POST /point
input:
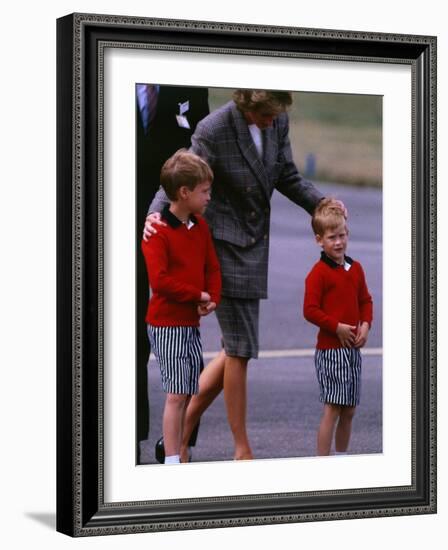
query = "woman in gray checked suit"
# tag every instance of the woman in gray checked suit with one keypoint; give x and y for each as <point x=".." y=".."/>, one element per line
<point x="247" y="146"/>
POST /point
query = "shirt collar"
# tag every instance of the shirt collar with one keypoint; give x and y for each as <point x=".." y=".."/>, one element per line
<point x="324" y="258"/>
<point x="174" y="221"/>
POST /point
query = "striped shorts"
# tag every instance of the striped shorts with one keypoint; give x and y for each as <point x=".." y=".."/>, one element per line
<point x="178" y="351"/>
<point x="339" y="375"/>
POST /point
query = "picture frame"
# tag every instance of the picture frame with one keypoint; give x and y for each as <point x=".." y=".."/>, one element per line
<point x="81" y="506"/>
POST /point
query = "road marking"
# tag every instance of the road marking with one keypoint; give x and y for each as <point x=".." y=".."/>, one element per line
<point x="283" y="353"/>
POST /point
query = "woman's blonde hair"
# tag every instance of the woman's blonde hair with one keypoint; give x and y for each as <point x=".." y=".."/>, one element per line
<point x="266" y="101"/>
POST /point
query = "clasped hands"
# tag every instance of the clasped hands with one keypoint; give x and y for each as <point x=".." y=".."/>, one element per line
<point x="205" y="306"/>
<point x="350" y="339"/>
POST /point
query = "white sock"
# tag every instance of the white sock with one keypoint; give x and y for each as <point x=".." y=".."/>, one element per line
<point x="173" y="459"/>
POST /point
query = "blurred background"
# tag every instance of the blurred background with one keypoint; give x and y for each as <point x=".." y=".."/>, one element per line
<point x="335" y="137"/>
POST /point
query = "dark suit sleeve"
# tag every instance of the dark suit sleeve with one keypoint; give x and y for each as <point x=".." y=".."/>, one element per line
<point x="290" y="182"/>
<point x="175" y="137"/>
<point x="201" y="144"/>
<point x="199" y="106"/>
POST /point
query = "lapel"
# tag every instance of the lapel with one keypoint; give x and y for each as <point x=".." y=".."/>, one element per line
<point x="248" y="149"/>
<point x="270" y="145"/>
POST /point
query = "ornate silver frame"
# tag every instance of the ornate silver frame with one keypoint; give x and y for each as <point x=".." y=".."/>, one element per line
<point x="81" y="510"/>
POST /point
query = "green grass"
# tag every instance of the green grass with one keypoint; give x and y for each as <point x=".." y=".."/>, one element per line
<point x="342" y="131"/>
<point x="355" y="111"/>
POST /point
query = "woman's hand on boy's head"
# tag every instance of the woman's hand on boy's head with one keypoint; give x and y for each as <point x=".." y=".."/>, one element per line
<point x="342" y="206"/>
<point x="155" y="218"/>
<point x="346" y="335"/>
<point x="361" y="335"/>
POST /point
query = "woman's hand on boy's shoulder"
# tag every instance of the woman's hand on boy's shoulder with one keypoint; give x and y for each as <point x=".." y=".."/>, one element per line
<point x="155" y="218"/>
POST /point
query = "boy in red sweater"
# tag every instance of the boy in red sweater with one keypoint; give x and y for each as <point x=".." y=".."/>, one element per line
<point x="338" y="302"/>
<point x="185" y="279"/>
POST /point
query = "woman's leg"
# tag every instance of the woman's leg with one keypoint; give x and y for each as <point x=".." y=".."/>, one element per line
<point x="235" y="396"/>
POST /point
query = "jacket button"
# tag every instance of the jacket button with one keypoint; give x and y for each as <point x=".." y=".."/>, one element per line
<point x="253" y="240"/>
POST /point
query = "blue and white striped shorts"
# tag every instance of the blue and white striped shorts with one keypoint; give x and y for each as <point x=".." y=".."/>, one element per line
<point x="178" y="351"/>
<point x="339" y="375"/>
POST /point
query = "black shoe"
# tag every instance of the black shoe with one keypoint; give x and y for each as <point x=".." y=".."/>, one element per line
<point x="160" y="451"/>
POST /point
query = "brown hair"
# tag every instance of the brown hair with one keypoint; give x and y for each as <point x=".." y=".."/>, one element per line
<point x="184" y="168"/>
<point x="269" y="102"/>
<point x="327" y="215"/>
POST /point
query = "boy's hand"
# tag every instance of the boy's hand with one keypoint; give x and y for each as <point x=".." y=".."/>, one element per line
<point x="361" y="335"/>
<point x="346" y="335"/>
<point x="205" y="297"/>
<point x="155" y="218"/>
<point x="205" y="309"/>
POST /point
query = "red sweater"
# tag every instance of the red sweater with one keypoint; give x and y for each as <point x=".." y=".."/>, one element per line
<point x="181" y="263"/>
<point x="334" y="295"/>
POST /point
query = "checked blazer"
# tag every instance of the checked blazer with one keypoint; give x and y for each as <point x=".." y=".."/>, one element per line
<point x="239" y="211"/>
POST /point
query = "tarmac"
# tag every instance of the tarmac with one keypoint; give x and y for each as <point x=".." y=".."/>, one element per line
<point x="283" y="413"/>
<point x="283" y="399"/>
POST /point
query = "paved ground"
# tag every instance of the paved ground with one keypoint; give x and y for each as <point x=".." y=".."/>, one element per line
<point x="283" y="413"/>
<point x="284" y="408"/>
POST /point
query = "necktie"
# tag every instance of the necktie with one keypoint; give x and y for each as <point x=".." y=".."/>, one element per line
<point x="147" y="98"/>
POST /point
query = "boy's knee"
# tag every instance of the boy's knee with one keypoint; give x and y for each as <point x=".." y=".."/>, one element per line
<point x="332" y="411"/>
<point x="176" y="399"/>
<point x="347" y="413"/>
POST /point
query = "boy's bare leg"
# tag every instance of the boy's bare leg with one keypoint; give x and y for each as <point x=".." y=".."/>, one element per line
<point x="235" y="396"/>
<point x="344" y="429"/>
<point x="326" y="428"/>
<point x="172" y="422"/>
<point x="210" y="386"/>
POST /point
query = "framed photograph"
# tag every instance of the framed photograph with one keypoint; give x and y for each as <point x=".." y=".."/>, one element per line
<point x="362" y="126"/>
